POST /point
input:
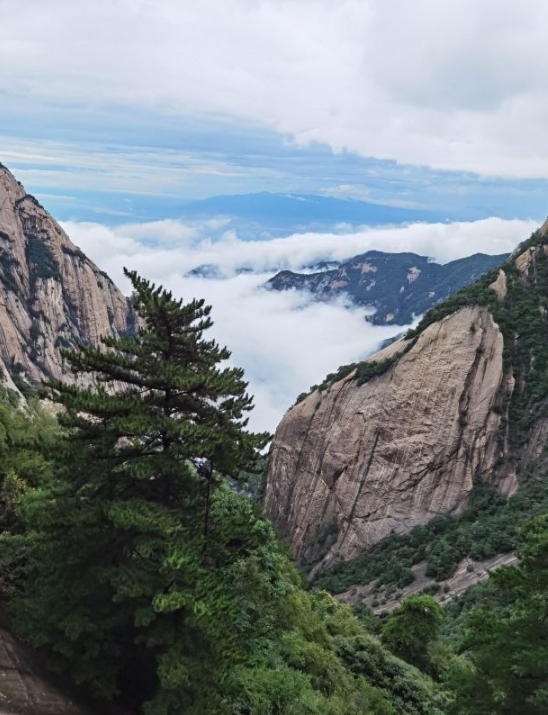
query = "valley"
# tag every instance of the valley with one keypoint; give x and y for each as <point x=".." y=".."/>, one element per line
<point x="401" y="481"/>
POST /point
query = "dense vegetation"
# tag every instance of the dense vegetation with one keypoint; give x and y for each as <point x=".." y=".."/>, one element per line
<point x="173" y="594"/>
<point x="133" y="564"/>
<point x="505" y="640"/>
<point x="489" y="526"/>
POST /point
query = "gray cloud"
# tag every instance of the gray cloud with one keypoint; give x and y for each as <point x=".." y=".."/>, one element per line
<point x="454" y="85"/>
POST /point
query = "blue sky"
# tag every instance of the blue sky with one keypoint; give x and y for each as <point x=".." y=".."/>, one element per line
<point x="115" y="167"/>
<point x="120" y="115"/>
<point x="127" y="109"/>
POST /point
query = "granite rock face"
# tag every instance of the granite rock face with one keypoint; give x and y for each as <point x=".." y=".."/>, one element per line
<point x="25" y="688"/>
<point x="51" y="294"/>
<point x="356" y="463"/>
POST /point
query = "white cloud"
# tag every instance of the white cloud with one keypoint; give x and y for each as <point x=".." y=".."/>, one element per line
<point x="175" y="246"/>
<point x="284" y="341"/>
<point x="459" y="84"/>
<point x="108" y="167"/>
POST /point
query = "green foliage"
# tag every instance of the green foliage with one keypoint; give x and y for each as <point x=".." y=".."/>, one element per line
<point x="331" y="379"/>
<point x="365" y="371"/>
<point x="508" y="646"/>
<point x="412" y="628"/>
<point x="133" y="511"/>
<point x="27" y="441"/>
<point x="334" y="377"/>
<point x="489" y="526"/>
<point x="148" y="574"/>
<point x="255" y="482"/>
<point x="407" y="693"/>
<point x="483" y="595"/>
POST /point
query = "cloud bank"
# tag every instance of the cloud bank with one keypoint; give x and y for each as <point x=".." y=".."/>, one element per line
<point x="284" y="341"/>
<point x="458" y="85"/>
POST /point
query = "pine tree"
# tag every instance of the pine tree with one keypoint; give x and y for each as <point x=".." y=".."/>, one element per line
<point x="123" y="581"/>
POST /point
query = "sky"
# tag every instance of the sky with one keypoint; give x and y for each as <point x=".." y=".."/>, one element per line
<point x="121" y="116"/>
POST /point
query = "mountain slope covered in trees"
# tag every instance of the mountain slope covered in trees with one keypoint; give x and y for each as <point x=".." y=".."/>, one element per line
<point x="173" y="593"/>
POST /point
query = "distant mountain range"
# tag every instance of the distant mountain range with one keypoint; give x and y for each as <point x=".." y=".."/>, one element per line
<point x="398" y="286"/>
<point x="253" y="216"/>
<point x="263" y="214"/>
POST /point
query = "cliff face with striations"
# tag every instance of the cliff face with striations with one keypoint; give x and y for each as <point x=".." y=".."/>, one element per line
<point x="462" y="401"/>
<point x="51" y="294"/>
<point x="26" y="688"/>
<point x="357" y="463"/>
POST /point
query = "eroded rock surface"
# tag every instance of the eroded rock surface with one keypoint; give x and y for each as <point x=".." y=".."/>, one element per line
<point x="357" y="463"/>
<point x="25" y="689"/>
<point x="51" y="294"/>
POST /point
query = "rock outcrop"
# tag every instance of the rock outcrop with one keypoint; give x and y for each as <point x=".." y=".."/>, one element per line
<point x="398" y="286"/>
<point x="25" y="687"/>
<point x="356" y="463"/>
<point x="405" y="435"/>
<point x="51" y="294"/>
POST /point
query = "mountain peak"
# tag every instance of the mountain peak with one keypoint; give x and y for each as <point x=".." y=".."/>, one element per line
<point x="51" y="295"/>
<point x="398" y="286"/>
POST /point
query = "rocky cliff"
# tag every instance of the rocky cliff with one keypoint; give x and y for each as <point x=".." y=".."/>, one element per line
<point x="51" y="294"/>
<point x="26" y="688"/>
<point x="406" y="435"/>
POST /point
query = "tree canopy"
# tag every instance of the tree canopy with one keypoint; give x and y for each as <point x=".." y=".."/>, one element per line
<point x="147" y="577"/>
<point x="508" y="645"/>
<point x="144" y="563"/>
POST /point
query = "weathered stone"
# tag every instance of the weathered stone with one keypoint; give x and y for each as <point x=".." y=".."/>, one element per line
<point x="500" y="286"/>
<point x="357" y="463"/>
<point x="25" y="688"/>
<point x="51" y="294"/>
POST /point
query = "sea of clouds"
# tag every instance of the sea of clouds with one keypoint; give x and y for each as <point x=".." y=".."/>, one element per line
<point x="285" y="341"/>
